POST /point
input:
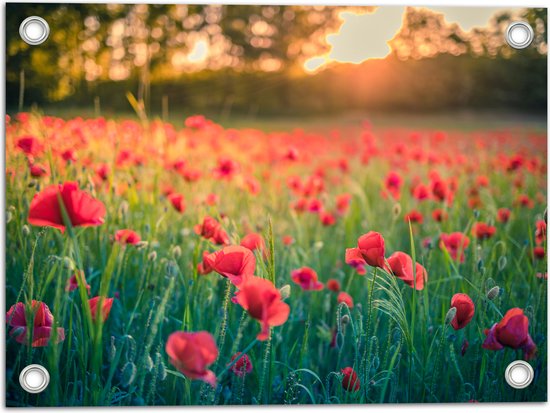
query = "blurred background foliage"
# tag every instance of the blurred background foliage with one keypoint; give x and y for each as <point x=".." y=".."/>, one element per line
<point x="227" y="60"/>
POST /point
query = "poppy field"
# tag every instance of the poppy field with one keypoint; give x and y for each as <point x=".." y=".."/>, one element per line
<point x="186" y="263"/>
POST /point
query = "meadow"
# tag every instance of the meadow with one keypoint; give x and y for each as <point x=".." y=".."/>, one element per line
<point x="190" y="263"/>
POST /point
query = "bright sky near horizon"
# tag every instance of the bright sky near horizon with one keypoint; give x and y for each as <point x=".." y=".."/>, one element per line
<point x="366" y="36"/>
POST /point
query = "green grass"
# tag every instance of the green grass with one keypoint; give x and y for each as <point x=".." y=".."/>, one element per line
<point x="395" y="337"/>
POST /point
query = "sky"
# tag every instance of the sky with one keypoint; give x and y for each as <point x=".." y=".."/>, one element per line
<point x="365" y="36"/>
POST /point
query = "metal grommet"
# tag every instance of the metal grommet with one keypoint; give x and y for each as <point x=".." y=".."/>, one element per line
<point x="34" y="378"/>
<point x="34" y="30"/>
<point x="519" y="35"/>
<point x="519" y="374"/>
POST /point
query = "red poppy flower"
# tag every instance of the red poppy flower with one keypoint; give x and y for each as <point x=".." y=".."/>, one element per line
<point x="512" y="331"/>
<point x="69" y="155"/>
<point x="254" y="242"/>
<point x="524" y="201"/>
<point x="107" y="303"/>
<point x="72" y="283"/>
<point x="464" y="310"/>
<point x="370" y="248"/>
<point x="82" y="209"/>
<point x="287" y="240"/>
<point x="127" y="236"/>
<point x="243" y="366"/>
<point x="196" y="122"/>
<point x="439" y="189"/>
<point x="252" y="185"/>
<point x="315" y="205"/>
<point x="42" y="327"/>
<point x="208" y="227"/>
<point x="306" y="278"/>
<point x="103" y="171"/>
<point x="421" y="192"/>
<point x="439" y="215"/>
<point x="292" y="154"/>
<point x="539" y="253"/>
<point x="191" y="175"/>
<point x="401" y="265"/>
<point x="333" y="285"/>
<point x="38" y="170"/>
<point x="226" y="169"/>
<point x="294" y="183"/>
<point x="345" y="298"/>
<point x="392" y="185"/>
<point x="177" y="201"/>
<point x="540" y="233"/>
<point x="234" y="262"/>
<point x="192" y="353"/>
<point x="503" y="215"/>
<point x="211" y="230"/>
<point x="300" y="205"/>
<point x="350" y="381"/>
<point x="455" y="243"/>
<point x="342" y="203"/>
<point x="355" y="259"/>
<point x="482" y="180"/>
<point x="515" y="162"/>
<point x="212" y="199"/>
<point x="414" y="217"/>
<point x="29" y="145"/>
<point x="203" y="268"/>
<point x="481" y="230"/>
<point x="220" y="237"/>
<point x="327" y="219"/>
<point x="263" y="302"/>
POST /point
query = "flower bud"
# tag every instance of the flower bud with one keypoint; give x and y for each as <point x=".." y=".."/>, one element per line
<point x="450" y="315"/>
<point x="112" y="350"/>
<point x="285" y="291"/>
<point x="141" y="245"/>
<point x="123" y="208"/>
<point x="502" y="261"/>
<point x="161" y="367"/>
<point x="128" y="374"/>
<point x="69" y="264"/>
<point x="149" y="363"/>
<point x="493" y="292"/>
<point x="25" y="230"/>
<point x="176" y="251"/>
<point x="396" y="210"/>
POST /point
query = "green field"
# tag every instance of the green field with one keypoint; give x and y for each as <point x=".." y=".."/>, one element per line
<point x="292" y="188"/>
